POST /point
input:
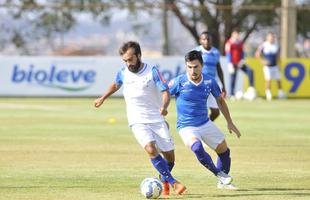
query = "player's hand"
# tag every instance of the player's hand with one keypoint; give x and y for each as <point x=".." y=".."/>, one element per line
<point x="98" y="102"/>
<point x="163" y="111"/>
<point x="232" y="128"/>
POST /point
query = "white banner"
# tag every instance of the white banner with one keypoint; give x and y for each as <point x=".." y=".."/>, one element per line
<point x="73" y="76"/>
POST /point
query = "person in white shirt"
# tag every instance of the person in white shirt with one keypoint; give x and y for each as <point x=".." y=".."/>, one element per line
<point x="269" y="52"/>
<point x="147" y="97"/>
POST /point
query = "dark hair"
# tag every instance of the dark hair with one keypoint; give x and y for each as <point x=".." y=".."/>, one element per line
<point x="193" y="55"/>
<point x="205" y="33"/>
<point x="128" y="45"/>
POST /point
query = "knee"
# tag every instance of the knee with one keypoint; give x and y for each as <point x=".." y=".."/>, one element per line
<point x="197" y="147"/>
<point x="151" y="150"/>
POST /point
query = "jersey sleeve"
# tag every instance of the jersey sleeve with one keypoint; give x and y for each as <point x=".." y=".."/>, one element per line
<point x="215" y="89"/>
<point x="120" y="77"/>
<point x="174" y="86"/>
<point x="159" y="80"/>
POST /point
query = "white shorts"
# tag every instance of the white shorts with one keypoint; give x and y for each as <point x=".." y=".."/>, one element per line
<point x="272" y="73"/>
<point x="208" y="133"/>
<point x="157" y="132"/>
<point x="211" y="102"/>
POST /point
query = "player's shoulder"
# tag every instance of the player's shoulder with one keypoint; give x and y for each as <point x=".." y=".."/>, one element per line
<point x="198" y="48"/>
<point x="215" y="50"/>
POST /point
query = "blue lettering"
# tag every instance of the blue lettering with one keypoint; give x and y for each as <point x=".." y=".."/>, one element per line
<point x="62" y="76"/>
<point x="76" y="76"/>
<point x="89" y="76"/>
<point x="53" y="68"/>
<point x="40" y="76"/>
<point x="18" y="75"/>
<point x="296" y="80"/>
<point x="30" y="73"/>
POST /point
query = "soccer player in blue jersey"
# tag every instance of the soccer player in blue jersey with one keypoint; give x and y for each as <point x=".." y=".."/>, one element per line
<point x="212" y="68"/>
<point x="191" y="91"/>
<point x="269" y="52"/>
<point x="143" y="86"/>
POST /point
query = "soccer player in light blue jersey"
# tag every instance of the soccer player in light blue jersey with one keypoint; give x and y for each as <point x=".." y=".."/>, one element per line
<point x="143" y="86"/>
<point x="191" y="91"/>
<point x="211" y="67"/>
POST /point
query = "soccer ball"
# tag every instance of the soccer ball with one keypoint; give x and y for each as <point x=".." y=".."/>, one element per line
<point x="151" y="188"/>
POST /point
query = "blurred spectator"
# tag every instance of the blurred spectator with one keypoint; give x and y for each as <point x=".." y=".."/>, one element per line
<point x="269" y="52"/>
<point x="235" y="57"/>
<point x="304" y="50"/>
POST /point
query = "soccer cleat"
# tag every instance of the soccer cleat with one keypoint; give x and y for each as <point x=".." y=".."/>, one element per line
<point x="224" y="178"/>
<point x="227" y="187"/>
<point x="268" y="95"/>
<point x="281" y="94"/>
<point x="179" y="188"/>
<point x="166" y="188"/>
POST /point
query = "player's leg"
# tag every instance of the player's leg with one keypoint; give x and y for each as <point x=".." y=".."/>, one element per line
<point x="233" y="77"/>
<point x="267" y="76"/>
<point x="193" y="142"/>
<point x="165" y="144"/>
<point x="249" y="72"/>
<point x="211" y="103"/>
<point x="215" y="139"/>
<point x="145" y="137"/>
<point x="276" y="75"/>
<point x="223" y="159"/>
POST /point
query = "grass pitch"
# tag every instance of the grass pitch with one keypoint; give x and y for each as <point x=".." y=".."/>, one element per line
<point x="66" y="149"/>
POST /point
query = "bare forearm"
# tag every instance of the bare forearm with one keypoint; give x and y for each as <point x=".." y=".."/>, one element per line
<point x="165" y="99"/>
<point x="111" y="90"/>
<point x="224" y="109"/>
<point x="221" y="75"/>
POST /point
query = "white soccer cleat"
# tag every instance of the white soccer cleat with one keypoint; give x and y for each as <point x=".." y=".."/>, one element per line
<point x="250" y="94"/>
<point x="227" y="187"/>
<point x="268" y="95"/>
<point x="224" y="178"/>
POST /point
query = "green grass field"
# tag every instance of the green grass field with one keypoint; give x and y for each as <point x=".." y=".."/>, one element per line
<point x="66" y="149"/>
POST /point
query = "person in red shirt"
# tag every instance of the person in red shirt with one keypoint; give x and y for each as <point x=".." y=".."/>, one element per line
<point x="235" y="57"/>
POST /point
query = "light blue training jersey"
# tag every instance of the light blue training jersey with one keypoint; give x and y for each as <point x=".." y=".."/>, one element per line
<point x="191" y="99"/>
<point x="210" y="59"/>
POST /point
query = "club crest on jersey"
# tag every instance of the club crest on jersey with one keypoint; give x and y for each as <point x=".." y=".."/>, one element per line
<point x="207" y="82"/>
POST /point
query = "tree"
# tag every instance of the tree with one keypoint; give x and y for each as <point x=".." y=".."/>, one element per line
<point x="221" y="17"/>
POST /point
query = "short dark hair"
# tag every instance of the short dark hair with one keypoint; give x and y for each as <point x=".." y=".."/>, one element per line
<point x="193" y="55"/>
<point x="128" y="45"/>
<point x="205" y="33"/>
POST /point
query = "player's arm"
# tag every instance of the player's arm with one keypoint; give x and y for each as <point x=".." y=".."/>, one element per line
<point x="111" y="90"/>
<point x="225" y="111"/>
<point x="216" y="92"/>
<point x="221" y="77"/>
<point x="165" y="102"/>
<point x="116" y="85"/>
<point x="163" y="87"/>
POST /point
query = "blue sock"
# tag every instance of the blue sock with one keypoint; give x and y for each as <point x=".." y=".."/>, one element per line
<point x="223" y="161"/>
<point x="170" y="167"/>
<point x="203" y="157"/>
<point x="162" y="167"/>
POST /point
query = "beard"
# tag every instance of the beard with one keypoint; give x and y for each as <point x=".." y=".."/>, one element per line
<point x="135" y="68"/>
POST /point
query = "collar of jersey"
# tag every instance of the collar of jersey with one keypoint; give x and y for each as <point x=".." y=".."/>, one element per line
<point x="143" y="69"/>
<point x="205" y="50"/>
<point x="196" y="84"/>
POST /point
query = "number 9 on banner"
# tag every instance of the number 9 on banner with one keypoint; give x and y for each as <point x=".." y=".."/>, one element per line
<point x="296" y="79"/>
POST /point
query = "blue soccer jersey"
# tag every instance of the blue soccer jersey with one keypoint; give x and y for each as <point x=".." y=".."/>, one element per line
<point x="210" y="59"/>
<point x="191" y="99"/>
